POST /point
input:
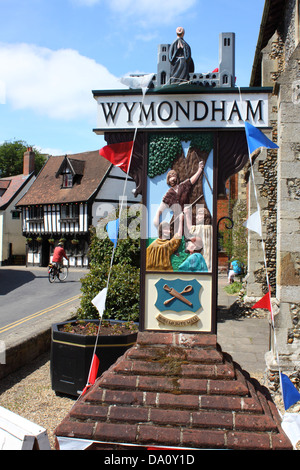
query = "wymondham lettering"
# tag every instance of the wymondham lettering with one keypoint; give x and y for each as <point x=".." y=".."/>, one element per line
<point x="190" y="111"/>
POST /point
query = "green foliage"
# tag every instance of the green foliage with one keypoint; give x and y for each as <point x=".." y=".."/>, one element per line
<point x="165" y="148"/>
<point x="233" y="288"/>
<point x="11" y="158"/>
<point x="235" y="241"/>
<point x="123" y="295"/>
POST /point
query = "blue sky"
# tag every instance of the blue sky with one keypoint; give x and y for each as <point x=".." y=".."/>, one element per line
<point x="54" y="52"/>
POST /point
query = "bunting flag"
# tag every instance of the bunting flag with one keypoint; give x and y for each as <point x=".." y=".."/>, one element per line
<point x="254" y="223"/>
<point x="92" y="374"/>
<point x="142" y="81"/>
<point x="291" y="426"/>
<point x="94" y="370"/>
<point x="118" y="154"/>
<point x="264" y="302"/>
<point x="112" y="229"/>
<point x="289" y="391"/>
<point x="99" y="301"/>
<point x="256" y="139"/>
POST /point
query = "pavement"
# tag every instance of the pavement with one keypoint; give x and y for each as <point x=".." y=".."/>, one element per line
<point x="245" y="339"/>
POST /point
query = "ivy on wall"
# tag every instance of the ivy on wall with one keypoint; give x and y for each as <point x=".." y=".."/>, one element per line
<point x="165" y="148"/>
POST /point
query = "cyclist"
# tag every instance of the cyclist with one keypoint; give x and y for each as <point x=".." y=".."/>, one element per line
<point x="58" y="255"/>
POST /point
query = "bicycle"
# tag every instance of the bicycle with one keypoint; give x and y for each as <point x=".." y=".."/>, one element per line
<point x="60" y="273"/>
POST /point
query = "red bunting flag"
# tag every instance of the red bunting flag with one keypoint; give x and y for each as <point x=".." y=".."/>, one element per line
<point x="118" y="154"/>
<point x="94" y="370"/>
<point x="264" y="302"/>
<point x="93" y="373"/>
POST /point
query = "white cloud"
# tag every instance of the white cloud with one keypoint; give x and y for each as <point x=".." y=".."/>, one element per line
<point x="57" y="84"/>
<point x="152" y="12"/>
<point x="147" y="12"/>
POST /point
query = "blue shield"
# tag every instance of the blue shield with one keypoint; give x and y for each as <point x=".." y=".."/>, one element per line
<point x="189" y="289"/>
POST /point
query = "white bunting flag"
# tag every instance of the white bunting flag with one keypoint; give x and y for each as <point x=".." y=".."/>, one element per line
<point x="99" y="301"/>
<point x="254" y="223"/>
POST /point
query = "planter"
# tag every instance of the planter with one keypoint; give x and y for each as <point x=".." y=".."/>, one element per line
<point x="71" y="356"/>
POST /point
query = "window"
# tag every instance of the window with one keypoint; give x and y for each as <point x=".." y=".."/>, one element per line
<point x="15" y="214"/>
<point x="36" y="212"/>
<point x="69" y="211"/>
<point x="67" y="179"/>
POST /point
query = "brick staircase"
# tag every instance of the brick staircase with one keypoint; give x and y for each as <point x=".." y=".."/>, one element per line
<point x="176" y="390"/>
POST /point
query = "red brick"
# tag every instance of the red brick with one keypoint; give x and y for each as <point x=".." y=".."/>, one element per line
<point x="124" y="365"/>
<point x="115" y="432"/>
<point x="111" y="380"/>
<point x="203" y="438"/>
<point x="159" y="435"/>
<point x="195" y="340"/>
<point x="158" y="384"/>
<point x="251" y="404"/>
<point x="227" y="387"/>
<point x="212" y="419"/>
<point x="149" y="368"/>
<point x="89" y="411"/>
<point x="281" y="442"/>
<point x="75" y="429"/>
<point x="207" y="356"/>
<point x="95" y="394"/>
<point x="253" y="422"/>
<point x="128" y="414"/>
<point x="198" y="370"/>
<point x="150" y="398"/>
<point x="178" y="401"/>
<point x="221" y="403"/>
<point x="248" y="441"/>
<point x="225" y="371"/>
<point x="123" y="397"/>
<point x="149" y="337"/>
<point x="170" y="417"/>
<point x="193" y="385"/>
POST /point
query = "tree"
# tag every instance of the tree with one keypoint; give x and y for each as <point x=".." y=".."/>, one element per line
<point x="11" y="158"/>
<point x="123" y="295"/>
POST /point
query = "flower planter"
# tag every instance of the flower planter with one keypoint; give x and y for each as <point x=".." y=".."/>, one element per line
<point x="71" y="356"/>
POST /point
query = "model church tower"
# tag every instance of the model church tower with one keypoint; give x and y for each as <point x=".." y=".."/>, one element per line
<point x="223" y="76"/>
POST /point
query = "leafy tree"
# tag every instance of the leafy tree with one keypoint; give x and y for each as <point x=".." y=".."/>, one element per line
<point x="11" y="158"/>
<point x="123" y="295"/>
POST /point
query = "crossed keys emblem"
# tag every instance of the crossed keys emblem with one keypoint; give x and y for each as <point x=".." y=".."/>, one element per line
<point x="177" y="295"/>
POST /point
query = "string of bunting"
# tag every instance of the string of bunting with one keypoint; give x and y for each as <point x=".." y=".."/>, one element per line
<point x="290" y="395"/>
<point x="120" y="155"/>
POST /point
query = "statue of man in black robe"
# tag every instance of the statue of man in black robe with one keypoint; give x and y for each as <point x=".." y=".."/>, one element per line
<point x="180" y="58"/>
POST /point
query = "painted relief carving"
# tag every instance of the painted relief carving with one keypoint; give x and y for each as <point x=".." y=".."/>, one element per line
<point x="180" y="203"/>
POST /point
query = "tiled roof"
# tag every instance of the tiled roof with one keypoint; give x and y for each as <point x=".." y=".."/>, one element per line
<point x="12" y="186"/>
<point x="47" y="187"/>
<point x="180" y="391"/>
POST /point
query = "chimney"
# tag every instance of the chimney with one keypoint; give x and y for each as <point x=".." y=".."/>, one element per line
<point x="28" y="161"/>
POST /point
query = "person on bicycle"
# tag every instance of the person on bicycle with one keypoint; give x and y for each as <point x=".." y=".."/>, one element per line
<point x="58" y="255"/>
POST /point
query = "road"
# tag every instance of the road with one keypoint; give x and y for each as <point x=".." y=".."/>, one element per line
<point x="27" y="297"/>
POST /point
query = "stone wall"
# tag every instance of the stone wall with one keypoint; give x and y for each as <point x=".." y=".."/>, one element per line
<point x="278" y="185"/>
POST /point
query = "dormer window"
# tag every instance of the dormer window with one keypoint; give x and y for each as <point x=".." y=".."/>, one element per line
<point x="71" y="171"/>
<point x="67" y="179"/>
